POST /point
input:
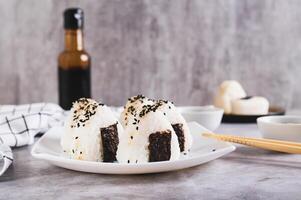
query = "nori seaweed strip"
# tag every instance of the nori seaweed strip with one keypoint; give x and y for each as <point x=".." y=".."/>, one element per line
<point x="178" y="128"/>
<point x="159" y="146"/>
<point x="110" y="141"/>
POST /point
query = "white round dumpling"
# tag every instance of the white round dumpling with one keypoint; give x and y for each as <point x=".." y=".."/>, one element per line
<point x="250" y="106"/>
<point x="228" y="91"/>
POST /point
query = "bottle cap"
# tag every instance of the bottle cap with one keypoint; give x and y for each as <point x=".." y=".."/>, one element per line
<point x="73" y="18"/>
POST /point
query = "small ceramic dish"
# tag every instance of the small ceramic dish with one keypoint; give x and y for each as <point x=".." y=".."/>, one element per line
<point x="280" y="127"/>
<point x="208" y="116"/>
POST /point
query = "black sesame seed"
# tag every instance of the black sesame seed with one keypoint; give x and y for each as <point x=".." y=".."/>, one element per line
<point x="81" y="152"/>
<point x="213" y="149"/>
<point x="132" y="137"/>
<point x="128" y="161"/>
<point x="137" y="128"/>
<point x="73" y="151"/>
<point x="76" y="137"/>
<point x="136" y="161"/>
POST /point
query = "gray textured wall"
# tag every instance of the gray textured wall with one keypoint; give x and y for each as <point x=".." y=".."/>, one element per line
<point x="180" y="49"/>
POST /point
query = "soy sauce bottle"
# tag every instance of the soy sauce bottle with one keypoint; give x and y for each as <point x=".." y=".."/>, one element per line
<point x="74" y="72"/>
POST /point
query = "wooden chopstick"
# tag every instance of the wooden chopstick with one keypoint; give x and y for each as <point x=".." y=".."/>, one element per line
<point x="278" y="141"/>
<point x="275" y="145"/>
<point x="266" y="140"/>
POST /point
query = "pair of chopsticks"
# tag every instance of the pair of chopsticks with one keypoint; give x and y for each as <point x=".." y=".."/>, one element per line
<point x="275" y="145"/>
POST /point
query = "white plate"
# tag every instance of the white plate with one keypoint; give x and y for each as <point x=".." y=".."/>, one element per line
<point x="204" y="150"/>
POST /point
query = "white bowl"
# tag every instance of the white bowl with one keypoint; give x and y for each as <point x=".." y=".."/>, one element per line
<point x="208" y="116"/>
<point x="280" y="127"/>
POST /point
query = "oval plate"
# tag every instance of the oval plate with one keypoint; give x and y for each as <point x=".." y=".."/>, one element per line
<point x="204" y="150"/>
<point x="251" y="118"/>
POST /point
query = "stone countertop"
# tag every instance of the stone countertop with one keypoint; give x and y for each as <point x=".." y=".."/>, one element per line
<point x="247" y="173"/>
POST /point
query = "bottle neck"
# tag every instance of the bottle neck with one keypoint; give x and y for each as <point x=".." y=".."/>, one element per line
<point x="74" y="40"/>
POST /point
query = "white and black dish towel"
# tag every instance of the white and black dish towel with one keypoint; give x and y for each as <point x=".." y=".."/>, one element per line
<point x="20" y="124"/>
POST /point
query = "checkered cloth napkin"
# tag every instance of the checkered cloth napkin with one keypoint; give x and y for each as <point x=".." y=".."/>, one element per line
<point x="20" y="124"/>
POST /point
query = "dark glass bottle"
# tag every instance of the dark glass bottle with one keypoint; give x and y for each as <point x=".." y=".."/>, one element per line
<point x="74" y="62"/>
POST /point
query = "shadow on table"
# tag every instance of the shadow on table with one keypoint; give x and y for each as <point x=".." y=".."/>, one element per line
<point x="264" y="157"/>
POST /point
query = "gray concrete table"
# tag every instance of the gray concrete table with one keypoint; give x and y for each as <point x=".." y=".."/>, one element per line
<point x="246" y="173"/>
